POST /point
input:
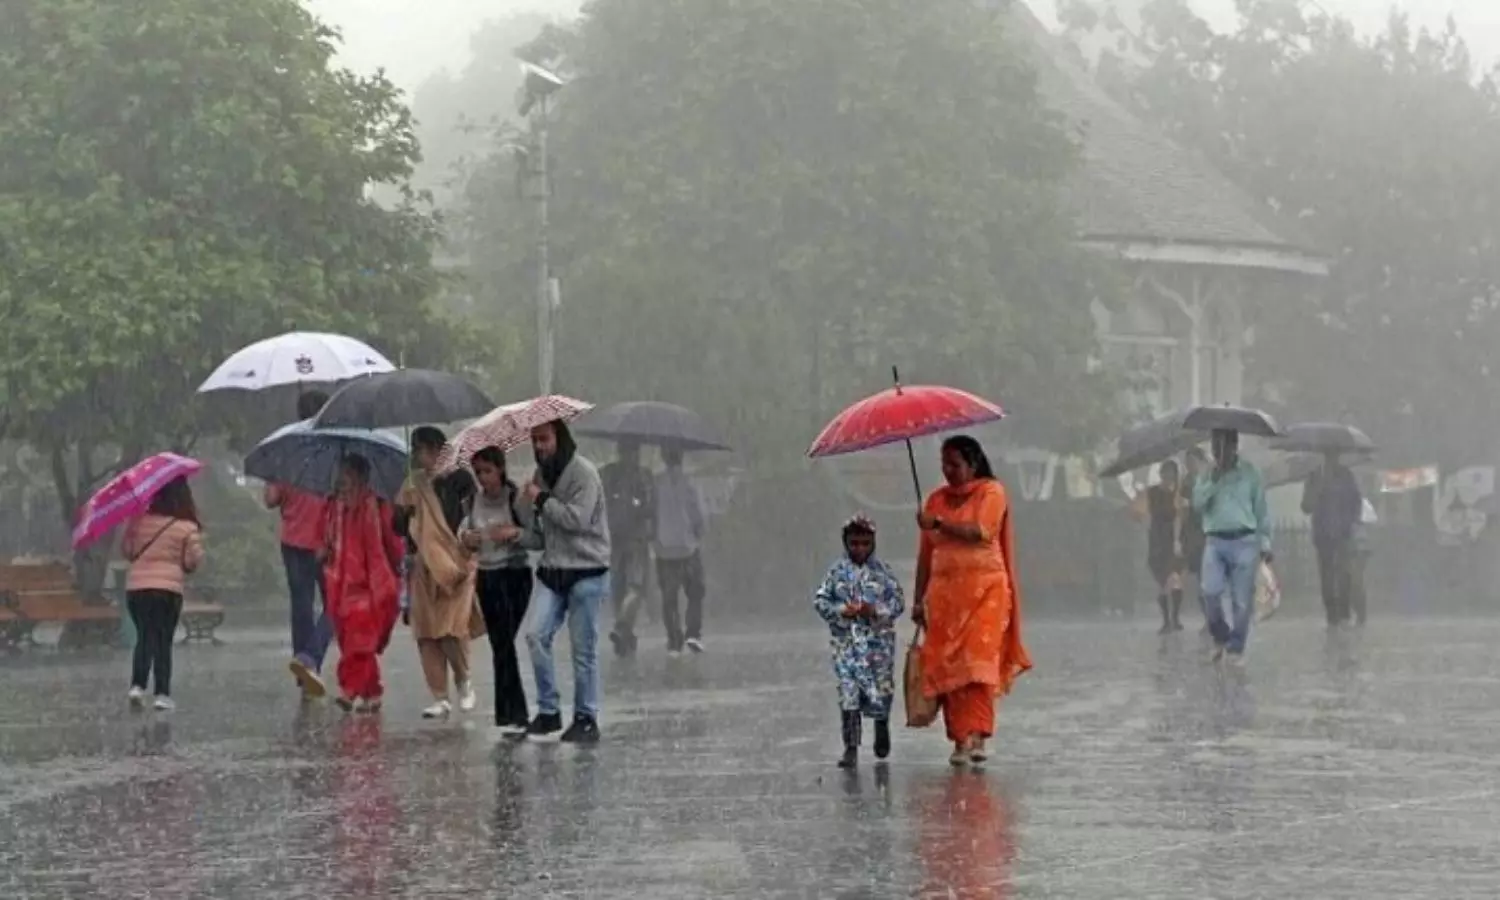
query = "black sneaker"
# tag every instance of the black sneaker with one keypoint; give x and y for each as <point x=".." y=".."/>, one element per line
<point x="882" y="739"/>
<point x="584" y="730"/>
<point x="545" y="724"/>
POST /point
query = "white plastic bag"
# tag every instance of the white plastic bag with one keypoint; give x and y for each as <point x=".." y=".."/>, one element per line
<point x="1267" y="592"/>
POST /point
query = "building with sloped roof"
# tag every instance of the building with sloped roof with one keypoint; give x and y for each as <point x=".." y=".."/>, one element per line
<point x="1200" y="251"/>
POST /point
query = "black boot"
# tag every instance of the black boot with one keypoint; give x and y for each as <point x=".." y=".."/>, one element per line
<point x="882" y="738"/>
<point x="1177" y="610"/>
<point x="851" y="726"/>
<point x="1166" y="617"/>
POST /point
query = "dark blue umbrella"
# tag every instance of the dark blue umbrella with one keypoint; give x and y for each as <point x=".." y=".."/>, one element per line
<point x="308" y="458"/>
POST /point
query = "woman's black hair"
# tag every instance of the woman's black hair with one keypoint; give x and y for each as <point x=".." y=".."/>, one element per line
<point x="176" y="501"/>
<point x="496" y="457"/>
<point x="972" y="453"/>
<point x="1171" y="465"/>
<point x="357" y="465"/>
<point x="310" y="403"/>
<point x="428" y="437"/>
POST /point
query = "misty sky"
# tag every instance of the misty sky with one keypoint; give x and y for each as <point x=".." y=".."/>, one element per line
<point x="413" y="38"/>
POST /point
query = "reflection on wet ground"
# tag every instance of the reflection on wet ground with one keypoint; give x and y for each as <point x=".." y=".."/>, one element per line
<point x="1362" y="765"/>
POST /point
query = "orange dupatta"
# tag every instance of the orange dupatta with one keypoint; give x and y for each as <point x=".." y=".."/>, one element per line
<point x="973" y="601"/>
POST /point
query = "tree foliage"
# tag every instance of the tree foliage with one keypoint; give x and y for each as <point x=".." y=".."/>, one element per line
<point x="174" y="183"/>
<point x="760" y="206"/>
<point x="1387" y="150"/>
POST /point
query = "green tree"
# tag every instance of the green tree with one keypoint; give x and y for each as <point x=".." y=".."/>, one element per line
<point x="175" y="183"/>
<point x="759" y="206"/>
<point x="1387" y="150"/>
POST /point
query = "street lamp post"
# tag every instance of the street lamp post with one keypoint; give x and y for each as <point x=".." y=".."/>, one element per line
<point x="540" y="85"/>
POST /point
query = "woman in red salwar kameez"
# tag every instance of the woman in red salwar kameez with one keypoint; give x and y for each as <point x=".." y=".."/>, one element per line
<point x="361" y="562"/>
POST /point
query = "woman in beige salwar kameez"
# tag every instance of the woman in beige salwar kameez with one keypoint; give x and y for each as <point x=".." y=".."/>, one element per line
<point x="443" y="613"/>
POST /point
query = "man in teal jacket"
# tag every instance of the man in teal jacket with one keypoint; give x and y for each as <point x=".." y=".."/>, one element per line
<point x="1232" y="501"/>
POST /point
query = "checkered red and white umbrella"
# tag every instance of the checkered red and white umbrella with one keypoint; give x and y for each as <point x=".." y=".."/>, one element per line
<point x="509" y="426"/>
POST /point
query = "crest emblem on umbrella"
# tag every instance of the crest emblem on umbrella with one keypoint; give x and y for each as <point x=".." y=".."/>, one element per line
<point x="304" y="365"/>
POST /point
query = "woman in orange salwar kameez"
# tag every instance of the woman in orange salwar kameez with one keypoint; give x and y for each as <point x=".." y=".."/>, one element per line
<point x="967" y="599"/>
<point x="362" y="558"/>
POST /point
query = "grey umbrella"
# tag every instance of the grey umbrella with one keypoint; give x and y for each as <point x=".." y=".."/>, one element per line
<point x="1297" y="467"/>
<point x="1323" y="437"/>
<point x="1242" y="419"/>
<point x="650" y="422"/>
<point x="1161" y="438"/>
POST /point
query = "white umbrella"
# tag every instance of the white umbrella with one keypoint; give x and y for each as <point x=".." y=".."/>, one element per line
<point x="296" y="357"/>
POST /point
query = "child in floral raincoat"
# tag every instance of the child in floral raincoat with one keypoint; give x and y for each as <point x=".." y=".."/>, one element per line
<point x="860" y="600"/>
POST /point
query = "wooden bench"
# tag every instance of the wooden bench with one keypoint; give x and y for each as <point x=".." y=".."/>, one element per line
<point x="33" y="594"/>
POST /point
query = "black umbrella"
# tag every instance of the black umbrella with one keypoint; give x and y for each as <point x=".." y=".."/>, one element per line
<point x="1161" y="438"/>
<point x="650" y="422"/>
<point x="1232" y="418"/>
<point x="403" y="397"/>
<point x="1324" y="437"/>
<point x="1297" y="467"/>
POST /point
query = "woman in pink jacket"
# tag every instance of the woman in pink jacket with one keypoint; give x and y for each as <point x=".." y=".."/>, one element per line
<point x="162" y="546"/>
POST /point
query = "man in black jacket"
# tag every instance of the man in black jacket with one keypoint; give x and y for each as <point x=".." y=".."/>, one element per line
<point x="1331" y="496"/>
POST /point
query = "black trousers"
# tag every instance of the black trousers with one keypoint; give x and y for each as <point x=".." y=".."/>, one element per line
<point x="504" y="596"/>
<point x="1335" y="561"/>
<point x="155" y="615"/>
<point x="676" y="576"/>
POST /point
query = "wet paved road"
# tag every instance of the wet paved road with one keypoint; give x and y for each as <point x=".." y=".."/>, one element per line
<point x="1367" y="766"/>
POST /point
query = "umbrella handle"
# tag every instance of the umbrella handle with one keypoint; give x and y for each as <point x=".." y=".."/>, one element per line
<point x="911" y="456"/>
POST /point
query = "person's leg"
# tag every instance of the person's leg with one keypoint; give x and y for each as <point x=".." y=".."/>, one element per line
<point x="489" y="588"/>
<point x="669" y="579"/>
<point x="1328" y="581"/>
<point x="456" y="651"/>
<point x="510" y="692"/>
<point x="140" y="616"/>
<point x="1212" y="585"/>
<point x="584" y="602"/>
<point x="347" y="673"/>
<point x="166" y="629"/>
<point x="969" y="717"/>
<point x="1243" y="565"/>
<point x="322" y="633"/>
<point x="1343" y="561"/>
<point x="434" y="667"/>
<point x="695" y="588"/>
<point x="1357" y="561"/>
<point x="549" y="621"/>
<point x="302" y="584"/>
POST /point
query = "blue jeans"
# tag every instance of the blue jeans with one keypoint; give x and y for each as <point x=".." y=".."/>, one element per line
<point x="579" y="609"/>
<point x="311" y="630"/>
<point x="1229" y="567"/>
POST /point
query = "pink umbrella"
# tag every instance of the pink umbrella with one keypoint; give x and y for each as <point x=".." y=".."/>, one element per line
<point x="509" y="426"/>
<point x="129" y="494"/>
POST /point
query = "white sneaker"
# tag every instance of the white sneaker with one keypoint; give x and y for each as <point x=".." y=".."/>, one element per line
<point x="674" y="654"/>
<point x="695" y="645"/>
<point x="466" y="697"/>
<point x="164" y="703"/>
<point x="137" y="697"/>
<point x="438" y="710"/>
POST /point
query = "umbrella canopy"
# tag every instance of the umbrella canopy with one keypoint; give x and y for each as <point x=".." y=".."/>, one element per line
<point x="129" y="495"/>
<point x="508" y="427"/>
<point x="1298" y="466"/>
<point x="1232" y="418"/>
<point x="403" y="397"/>
<point x="297" y="357"/>
<point x="1323" y="437"/>
<point x="902" y="414"/>
<point x="649" y="422"/>
<point x="308" y="458"/>
<point x="1159" y="439"/>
